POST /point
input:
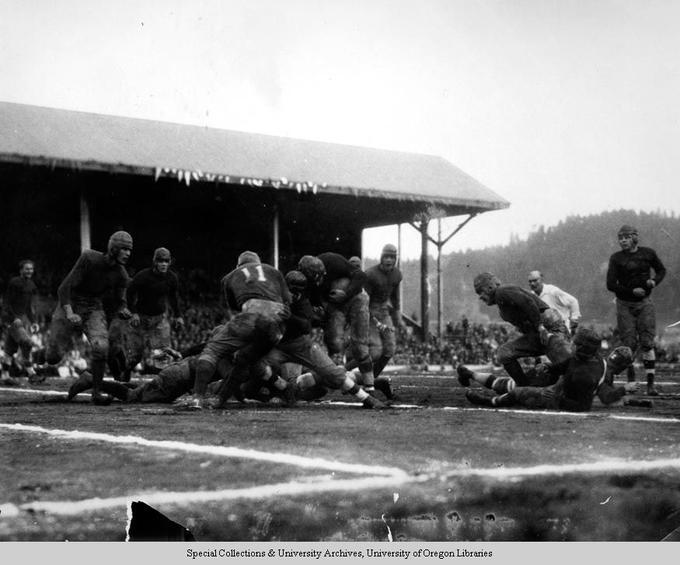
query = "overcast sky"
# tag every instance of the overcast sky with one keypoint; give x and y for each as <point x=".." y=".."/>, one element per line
<point x="562" y="107"/>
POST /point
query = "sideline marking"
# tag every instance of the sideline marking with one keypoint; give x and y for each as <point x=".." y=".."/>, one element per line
<point x="528" y="412"/>
<point x="306" y="462"/>
<point x="33" y="391"/>
<point x="321" y="485"/>
<point x="602" y="467"/>
<point x="411" y="407"/>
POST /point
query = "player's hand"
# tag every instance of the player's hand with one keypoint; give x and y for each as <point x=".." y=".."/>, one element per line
<point x="35" y="328"/>
<point x="631" y="388"/>
<point x="651" y="283"/>
<point x="573" y="326"/>
<point x="178" y="322"/>
<point x="134" y="320"/>
<point x="337" y="296"/>
<point x="285" y="312"/>
<point x="544" y="335"/>
<point x="639" y="291"/>
<point x="124" y="314"/>
<point x="74" y="319"/>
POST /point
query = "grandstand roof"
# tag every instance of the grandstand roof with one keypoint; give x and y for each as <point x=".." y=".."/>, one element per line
<point x="87" y="141"/>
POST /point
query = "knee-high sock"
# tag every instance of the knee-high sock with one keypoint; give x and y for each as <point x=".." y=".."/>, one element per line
<point x="97" y="368"/>
<point x="379" y="365"/>
<point x="205" y="369"/>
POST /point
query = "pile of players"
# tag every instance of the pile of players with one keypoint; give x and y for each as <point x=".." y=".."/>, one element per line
<point x="269" y="325"/>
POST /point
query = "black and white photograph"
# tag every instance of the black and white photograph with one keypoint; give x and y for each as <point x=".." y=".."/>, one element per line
<point x="339" y="279"/>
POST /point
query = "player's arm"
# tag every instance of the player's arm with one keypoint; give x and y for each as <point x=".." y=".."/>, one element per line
<point x="120" y="293"/>
<point x="357" y="280"/>
<point x="73" y="279"/>
<point x="659" y="269"/>
<point x="32" y="307"/>
<point x="396" y="304"/>
<point x="10" y="294"/>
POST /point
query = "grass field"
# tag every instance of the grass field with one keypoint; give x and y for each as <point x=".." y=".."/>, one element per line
<point x="435" y="468"/>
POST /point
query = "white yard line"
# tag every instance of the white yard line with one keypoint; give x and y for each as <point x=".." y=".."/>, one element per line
<point x="415" y="406"/>
<point x="33" y="391"/>
<point x="600" y="467"/>
<point x="527" y="412"/>
<point x="220" y="451"/>
<point x="295" y="488"/>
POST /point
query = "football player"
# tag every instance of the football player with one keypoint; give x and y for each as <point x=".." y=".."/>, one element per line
<point x="542" y="328"/>
<point x="297" y="346"/>
<point x="80" y="307"/>
<point x="258" y="300"/>
<point x="382" y="285"/>
<point x="337" y="286"/>
<point x="576" y="380"/>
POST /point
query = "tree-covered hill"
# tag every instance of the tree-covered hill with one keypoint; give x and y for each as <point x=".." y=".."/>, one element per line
<point x="573" y="255"/>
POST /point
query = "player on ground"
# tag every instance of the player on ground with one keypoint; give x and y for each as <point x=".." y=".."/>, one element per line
<point x="543" y="331"/>
<point x="579" y="379"/>
<point x="80" y="307"/>
<point x="172" y="382"/>
<point x="297" y="346"/>
<point x="629" y="277"/>
<point x="20" y="317"/>
<point x="558" y="299"/>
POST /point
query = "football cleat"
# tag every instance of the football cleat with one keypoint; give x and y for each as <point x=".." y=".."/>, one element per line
<point x="465" y="375"/>
<point x="288" y="394"/>
<point x="34" y="378"/>
<point x="372" y="403"/>
<point x="101" y="399"/>
<point x="478" y="398"/>
<point x="384" y="385"/>
<point x="651" y="391"/>
<point x="638" y="402"/>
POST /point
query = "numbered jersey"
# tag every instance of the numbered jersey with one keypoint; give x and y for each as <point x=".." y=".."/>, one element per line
<point x="254" y="280"/>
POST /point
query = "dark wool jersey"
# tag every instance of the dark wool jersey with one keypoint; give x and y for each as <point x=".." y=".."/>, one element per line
<point x="150" y="293"/>
<point x="93" y="275"/>
<point x="337" y="267"/>
<point x="254" y="280"/>
<point x="19" y="298"/>
<point x="300" y="321"/>
<point x="632" y="270"/>
<point x="519" y="307"/>
<point x="579" y="382"/>
<point x="382" y="286"/>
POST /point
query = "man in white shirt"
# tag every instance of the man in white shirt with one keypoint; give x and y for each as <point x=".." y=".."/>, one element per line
<point x="556" y="298"/>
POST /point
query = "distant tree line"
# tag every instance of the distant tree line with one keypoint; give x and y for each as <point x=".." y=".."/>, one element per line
<point x="573" y="255"/>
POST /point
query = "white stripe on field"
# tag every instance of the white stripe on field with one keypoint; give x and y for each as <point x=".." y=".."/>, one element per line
<point x="177" y="498"/>
<point x="33" y="391"/>
<point x="217" y="450"/>
<point x="528" y="412"/>
<point x="541" y="470"/>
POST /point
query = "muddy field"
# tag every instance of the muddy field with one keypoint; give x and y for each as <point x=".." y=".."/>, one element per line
<point x="433" y="468"/>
